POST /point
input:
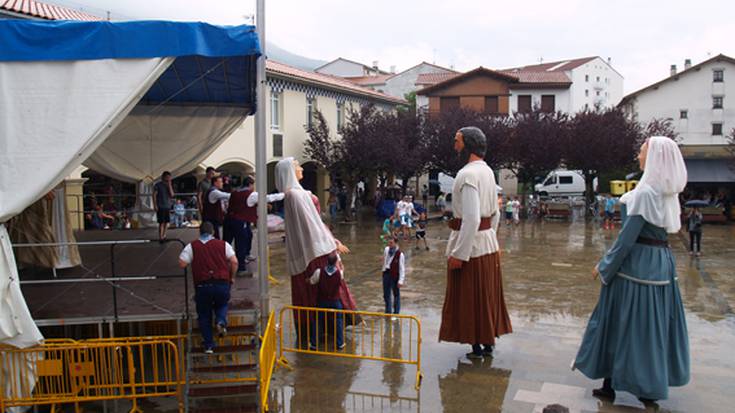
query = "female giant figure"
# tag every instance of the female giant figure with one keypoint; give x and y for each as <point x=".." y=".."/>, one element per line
<point x="308" y="241"/>
<point x="636" y="338"/>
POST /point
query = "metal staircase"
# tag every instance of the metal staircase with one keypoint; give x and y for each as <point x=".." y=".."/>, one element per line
<point x="226" y="381"/>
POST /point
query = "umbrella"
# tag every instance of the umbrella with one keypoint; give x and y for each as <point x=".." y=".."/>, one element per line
<point x="696" y="203"/>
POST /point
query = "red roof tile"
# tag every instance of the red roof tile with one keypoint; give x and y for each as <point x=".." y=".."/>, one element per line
<point x="330" y="81"/>
<point x="369" y="80"/>
<point x="434" y="78"/>
<point x="524" y="77"/>
<point x="538" y="77"/>
<point x="560" y="65"/>
<point x="45" y="11"/>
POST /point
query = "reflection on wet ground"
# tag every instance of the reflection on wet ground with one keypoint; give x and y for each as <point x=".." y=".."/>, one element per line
<point x="549" y="292"/>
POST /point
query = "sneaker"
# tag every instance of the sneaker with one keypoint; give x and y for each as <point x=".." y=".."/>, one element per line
<point x="341" y="346"/>
<point x="221" y="330"/>
<point x="487" y="351"/>
<point x="699" y="254"/>
<point x="250" y="258"/>
<point x="474" y="356"/>
<point x="427" y="248"/>
<point x="312" y="347"/>
<point x="209" y="350"/>
<point x="393" y="318"/>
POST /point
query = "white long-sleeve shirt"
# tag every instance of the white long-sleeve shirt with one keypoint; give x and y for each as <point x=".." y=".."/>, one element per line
<point x="388" y="258"/>
<point x="253" y="198"/>
<point x="314" y="279"/>
<point x="474" y="196"/>
<point x="217" y="195"/>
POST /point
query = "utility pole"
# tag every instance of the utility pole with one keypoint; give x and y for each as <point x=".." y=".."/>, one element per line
<point x="261" y="169"/>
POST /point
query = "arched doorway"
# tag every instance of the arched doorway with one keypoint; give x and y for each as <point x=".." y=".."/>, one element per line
<point x="235" y="172"/>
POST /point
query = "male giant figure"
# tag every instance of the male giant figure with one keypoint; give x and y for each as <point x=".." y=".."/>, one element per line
<point x="474" y="308"/>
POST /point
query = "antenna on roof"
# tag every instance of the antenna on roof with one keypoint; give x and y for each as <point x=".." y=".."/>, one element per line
<point x="540" y="59"/>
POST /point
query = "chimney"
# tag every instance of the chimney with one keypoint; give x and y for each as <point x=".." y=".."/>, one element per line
<point x="609" y="61"/>
<point x="687" y="63"/>
<point x="393" y="69"/>
<point x="673" y="70"/>
<point x="375" y="64"/>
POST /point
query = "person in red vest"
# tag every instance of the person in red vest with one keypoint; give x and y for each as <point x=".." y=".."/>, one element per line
<point x="394" y="275"/>
<point x="213" y="267"/>
<point x="213" y="210"/>
<point x="328" y="281"/>
<point x="241" y="215"/>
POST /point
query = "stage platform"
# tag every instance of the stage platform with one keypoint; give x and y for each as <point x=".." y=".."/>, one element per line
<point x="159" y="294"/>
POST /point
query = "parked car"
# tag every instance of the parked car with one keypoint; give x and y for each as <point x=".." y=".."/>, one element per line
<point x="562" y="183"/>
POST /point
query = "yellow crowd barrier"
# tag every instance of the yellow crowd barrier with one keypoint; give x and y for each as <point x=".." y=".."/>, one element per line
<point x="394" y="338"/>
<point x="267" y="360"/>
<point x="73" y="372"/>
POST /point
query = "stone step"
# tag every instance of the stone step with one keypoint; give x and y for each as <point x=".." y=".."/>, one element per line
<point x="220" y="350"/>
<point x="222" y="390"/>
<point x="232" y="368"/>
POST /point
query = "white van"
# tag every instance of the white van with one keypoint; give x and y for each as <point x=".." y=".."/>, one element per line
<point x="561" y="182"/>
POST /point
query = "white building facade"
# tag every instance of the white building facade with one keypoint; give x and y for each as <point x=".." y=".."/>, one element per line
<point x="700" y="101"/>
<point x="293" y="97"/>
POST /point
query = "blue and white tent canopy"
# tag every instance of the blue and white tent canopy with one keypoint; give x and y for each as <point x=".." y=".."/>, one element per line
<point x="128" y="99"/>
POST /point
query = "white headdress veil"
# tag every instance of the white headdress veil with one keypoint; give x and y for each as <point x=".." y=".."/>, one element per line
<point x="656" y="196"/>
<point x="286" y="175"/>
<point x="306" y="235"/>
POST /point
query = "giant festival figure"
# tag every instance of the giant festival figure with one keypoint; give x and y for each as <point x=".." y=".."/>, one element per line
<point x="308" y="241"/>
<point x="474" y="307"/>
<point x="636" y="339"/>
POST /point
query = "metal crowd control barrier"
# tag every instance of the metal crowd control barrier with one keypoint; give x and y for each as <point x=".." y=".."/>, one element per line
<point x="64" y="371"/>
<point x="394" y="338"/>
<point x="267" y="360"/>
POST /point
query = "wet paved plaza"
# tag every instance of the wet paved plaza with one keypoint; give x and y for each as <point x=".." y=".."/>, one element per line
<point x="549" y="292"/>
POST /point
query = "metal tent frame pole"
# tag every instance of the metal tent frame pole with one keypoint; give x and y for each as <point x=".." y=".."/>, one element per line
<point x="261" y="176"/>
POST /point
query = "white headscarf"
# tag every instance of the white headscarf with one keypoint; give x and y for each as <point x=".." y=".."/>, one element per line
<point x="286" y="175"/>
<point x="306" y="235"/>
<point x="656" y="196"/>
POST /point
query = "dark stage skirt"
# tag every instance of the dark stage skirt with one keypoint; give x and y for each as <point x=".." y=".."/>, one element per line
<point x="474" y="308"/>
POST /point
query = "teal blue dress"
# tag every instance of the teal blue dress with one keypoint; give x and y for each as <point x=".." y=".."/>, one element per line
<point x="637" y="334"/>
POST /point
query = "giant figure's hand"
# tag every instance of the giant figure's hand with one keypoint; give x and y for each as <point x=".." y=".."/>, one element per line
<point x="595" y="273"/>
<point x="342" y="248"/>
<point x="454" y="263"/>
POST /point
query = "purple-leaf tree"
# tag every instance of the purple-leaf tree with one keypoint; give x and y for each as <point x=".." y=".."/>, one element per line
<point x="600" y="141"/>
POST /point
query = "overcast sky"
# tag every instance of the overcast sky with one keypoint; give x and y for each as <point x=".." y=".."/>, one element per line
<point x="642" y="37"/>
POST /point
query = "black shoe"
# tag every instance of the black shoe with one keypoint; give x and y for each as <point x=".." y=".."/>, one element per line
<point x="474" y="356"/>
<point x="221" y="330"/>
<point x="487" y="351"/>
<point x="606" y="391"/>
<point x="648" y="402"/>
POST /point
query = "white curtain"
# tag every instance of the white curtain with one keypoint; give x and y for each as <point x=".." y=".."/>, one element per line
<point x="53" y="116"/>
<point x="153" y="139"/>
<point x="59" y="222"/>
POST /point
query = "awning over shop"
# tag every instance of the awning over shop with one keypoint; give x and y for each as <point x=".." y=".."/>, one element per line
<point x="710" y="171"/>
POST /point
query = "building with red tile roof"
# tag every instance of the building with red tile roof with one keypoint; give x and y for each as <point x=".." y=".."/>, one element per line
<point x="31" y="9"/>
<point x="567" y="85"/>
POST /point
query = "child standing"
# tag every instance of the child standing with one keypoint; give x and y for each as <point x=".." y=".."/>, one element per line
<point x="508" y="211"/>
<point x="421" y="231"/>
<point x="394" y="275"/>
<point x="179" y="213"/>
<point x="516" y="211"/>
<point x="328" y="280"/>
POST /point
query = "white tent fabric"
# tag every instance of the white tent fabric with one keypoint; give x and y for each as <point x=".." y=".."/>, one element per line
<point x="60" y="216"/>
<point x="153" y="139"/>
<point x="54" y="116"/>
